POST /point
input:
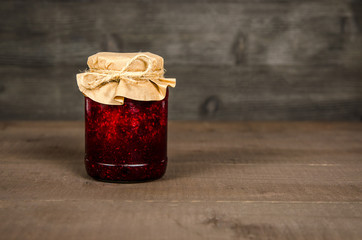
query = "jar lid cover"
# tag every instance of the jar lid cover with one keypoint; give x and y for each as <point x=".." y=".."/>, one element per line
<point x="114" y="76"/>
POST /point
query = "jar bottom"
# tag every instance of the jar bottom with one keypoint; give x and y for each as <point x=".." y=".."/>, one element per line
<point x="126" y="173"/>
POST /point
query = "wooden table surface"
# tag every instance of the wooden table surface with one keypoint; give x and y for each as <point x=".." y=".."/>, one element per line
<point x="224" y="181"/>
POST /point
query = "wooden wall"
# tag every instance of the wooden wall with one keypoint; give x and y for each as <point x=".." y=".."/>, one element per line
<point x="233" y="60"/>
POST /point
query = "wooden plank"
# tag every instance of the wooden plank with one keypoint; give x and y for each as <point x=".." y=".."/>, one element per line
<point x="115" y="219"/>
<point x="250" y="93"/>
<point x="266" y="161"/>
<point x="270" y="180"/>
<point x="197" y="32"/>
<point x="234" y="60"/>
<point x="288" y="93"/>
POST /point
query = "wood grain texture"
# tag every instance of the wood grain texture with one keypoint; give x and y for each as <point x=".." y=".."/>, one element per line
<point x="234" y="60"/>
<point x="231" y="180"/>
<point x="51" y="93"/>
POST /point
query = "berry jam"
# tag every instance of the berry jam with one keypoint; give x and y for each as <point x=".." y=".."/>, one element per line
<point x="126" y="143"/>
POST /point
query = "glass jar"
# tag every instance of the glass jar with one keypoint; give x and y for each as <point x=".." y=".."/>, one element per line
<point x="126" y="143"/>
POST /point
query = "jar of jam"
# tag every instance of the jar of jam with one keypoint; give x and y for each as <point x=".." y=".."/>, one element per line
<point x="126" y="101"/>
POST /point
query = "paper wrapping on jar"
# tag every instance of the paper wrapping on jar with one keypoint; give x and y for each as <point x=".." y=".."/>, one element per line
<point x="114" y="76"/>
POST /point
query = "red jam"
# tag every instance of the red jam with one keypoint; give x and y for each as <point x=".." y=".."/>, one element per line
<point x="126" y="143"/>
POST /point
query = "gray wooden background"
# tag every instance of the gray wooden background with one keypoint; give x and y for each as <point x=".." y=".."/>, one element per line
<point x="233" y="60"/>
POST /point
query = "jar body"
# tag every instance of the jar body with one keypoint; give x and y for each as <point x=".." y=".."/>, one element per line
<point x="126" y="143"/>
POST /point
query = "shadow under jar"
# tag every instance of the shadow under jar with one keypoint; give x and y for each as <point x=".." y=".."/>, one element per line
<point x="126" y="143"/>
